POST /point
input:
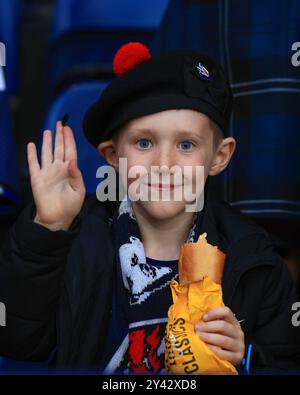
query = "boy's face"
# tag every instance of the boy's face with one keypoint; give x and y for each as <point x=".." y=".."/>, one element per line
<point x="164" y="143"/>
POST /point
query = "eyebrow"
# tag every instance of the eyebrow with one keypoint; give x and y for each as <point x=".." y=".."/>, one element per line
<point x="180" y="132"/>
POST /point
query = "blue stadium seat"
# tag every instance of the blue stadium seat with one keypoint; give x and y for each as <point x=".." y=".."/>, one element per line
<point x="75" y="102"/>
<point x="86" y="34"/>
<point x="9" y="175"/>
<point x="9" y="35"/>
<point x="108" y="14"/>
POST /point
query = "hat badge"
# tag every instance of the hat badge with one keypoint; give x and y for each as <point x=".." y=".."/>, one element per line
<point x="203" y="72"/>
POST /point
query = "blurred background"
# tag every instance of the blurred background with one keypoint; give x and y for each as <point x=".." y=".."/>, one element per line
<point x="59" y="59"/>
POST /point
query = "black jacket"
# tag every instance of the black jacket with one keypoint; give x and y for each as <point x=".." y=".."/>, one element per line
<point x="57" y="287"/>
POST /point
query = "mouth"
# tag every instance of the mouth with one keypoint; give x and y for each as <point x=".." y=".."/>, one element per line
<point x="163" y="186"/>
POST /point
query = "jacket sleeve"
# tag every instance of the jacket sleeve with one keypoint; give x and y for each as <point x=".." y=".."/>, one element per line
<point x="275" y="340"/>
<point x="32" y="264"/>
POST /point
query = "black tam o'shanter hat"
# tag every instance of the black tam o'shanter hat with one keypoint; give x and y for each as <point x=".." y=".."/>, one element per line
<point x="146" y="85"/>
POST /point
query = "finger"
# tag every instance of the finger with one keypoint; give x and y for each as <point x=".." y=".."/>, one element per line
<point x="59" y="142"/>
<point x="76" y="180"/>
<point x="33" y="163"/>
<point x="225" y="342"/>
<point x="223" y="354"/>
<point x="220" y="313"/>
<point x="47" y="155"/>
<point x="218" y="326"/>
<point x="70" y="145"/>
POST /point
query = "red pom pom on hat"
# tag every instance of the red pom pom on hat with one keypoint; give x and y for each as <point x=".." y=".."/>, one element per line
<point x="130" y="55"/>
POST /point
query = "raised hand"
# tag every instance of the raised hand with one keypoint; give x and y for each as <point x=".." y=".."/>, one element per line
<point x="57" y="185"/>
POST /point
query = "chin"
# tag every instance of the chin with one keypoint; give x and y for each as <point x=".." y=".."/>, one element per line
<point x="162" y="210"/>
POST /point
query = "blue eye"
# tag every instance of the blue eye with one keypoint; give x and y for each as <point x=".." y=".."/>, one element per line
<point x="186" y="145"/>
<point x="144" y="143"/>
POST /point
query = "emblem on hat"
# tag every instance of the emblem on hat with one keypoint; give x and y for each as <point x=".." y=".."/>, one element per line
<point x="203" y="72"/>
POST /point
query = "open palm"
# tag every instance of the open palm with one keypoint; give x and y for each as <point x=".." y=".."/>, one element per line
<point x="57" y="185"/>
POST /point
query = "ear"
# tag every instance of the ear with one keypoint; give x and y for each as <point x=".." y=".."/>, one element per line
<point x="107" y="149"/>
<point x="222" y="156"/>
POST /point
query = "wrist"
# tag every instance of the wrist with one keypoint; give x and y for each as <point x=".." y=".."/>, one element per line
<point x="63" y="225"/>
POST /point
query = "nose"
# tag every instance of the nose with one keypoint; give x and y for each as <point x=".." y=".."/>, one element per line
<point x="164" y="157"/>
<point x="163" y="161"/>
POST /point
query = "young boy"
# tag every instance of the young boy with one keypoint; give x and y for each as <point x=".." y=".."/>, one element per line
<point x="90" y="279"/>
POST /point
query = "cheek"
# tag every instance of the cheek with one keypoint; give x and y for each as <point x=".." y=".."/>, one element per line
<point x="198" y="168"/>
<point x="131" y="154"/>
<point x="203" y="159"/>
<point x="132" y="169"/>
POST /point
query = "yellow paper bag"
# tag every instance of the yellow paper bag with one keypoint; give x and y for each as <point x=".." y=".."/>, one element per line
<point x="199" y="290"/>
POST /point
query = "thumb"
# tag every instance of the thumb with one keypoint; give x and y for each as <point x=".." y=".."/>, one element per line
<point x="75" y="176"/>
